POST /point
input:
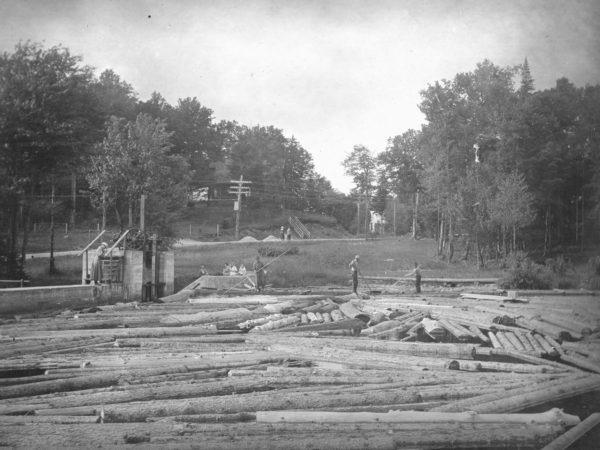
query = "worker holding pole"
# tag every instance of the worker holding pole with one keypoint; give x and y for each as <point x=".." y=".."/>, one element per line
<point x="260" y="273"/>
<point x="354" y="269"/>
<point x="417" y="273"/>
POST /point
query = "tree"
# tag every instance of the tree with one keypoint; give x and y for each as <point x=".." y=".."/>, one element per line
<point x="116" y="97"/>
<point x="134" y="160"/>
<point x="526" y="80"/>
<point x="48" y="116"/>
<point x="402" y="171"/>
<point x="512" y="206"/>
<point x="361" y="166"/>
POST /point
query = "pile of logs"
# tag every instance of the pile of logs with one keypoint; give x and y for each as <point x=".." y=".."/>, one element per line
<point x="300" y="371"/>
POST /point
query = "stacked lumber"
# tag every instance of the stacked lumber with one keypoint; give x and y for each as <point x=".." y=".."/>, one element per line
<point x="296" y="371"/>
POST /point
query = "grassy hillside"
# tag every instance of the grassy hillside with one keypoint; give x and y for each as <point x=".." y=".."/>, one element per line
<point x="200" y="222"/>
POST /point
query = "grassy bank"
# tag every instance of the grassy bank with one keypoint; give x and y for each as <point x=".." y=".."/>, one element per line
<point x="316" y="262"/>
<point x="324" y="262"/>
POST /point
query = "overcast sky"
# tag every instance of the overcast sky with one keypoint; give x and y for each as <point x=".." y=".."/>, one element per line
<point x="331" y="73"/>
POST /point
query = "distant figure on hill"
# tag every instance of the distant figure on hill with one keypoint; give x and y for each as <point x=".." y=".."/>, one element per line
<point x="233" y="269"/>
<point x="417" y="273"/>
<point x="202" y="271"/>
<point x="354" y="269"/>
<point x="282" y="233"/>
<point x="258" y="267"/>
<point x="242" y="269"/>
<point x="289" y="234"/>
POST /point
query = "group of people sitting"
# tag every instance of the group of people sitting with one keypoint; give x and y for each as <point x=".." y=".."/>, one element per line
<point x="231" y="269"/>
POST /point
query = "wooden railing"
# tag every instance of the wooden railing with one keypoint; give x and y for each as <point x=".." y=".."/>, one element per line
<point x="85" y="265"/>
<point x="299" y="227"/>
<point x="21" y="282"/>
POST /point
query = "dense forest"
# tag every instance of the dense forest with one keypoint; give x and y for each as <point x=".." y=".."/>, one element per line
<point x="497" y="165"/>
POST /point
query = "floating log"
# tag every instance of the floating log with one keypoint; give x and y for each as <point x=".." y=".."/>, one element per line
<point x="490" y="366"/>
<point x="433" y="329"/>
<point x="494" y="340"/>
<point x="514" y="341"/>
<point x="511" y="391"/>
<point x="547" y="348"/>
<point x="580" y="362"/>
<point x="349" y="324"/>
<point x="206" y="317"/>
<point x="397" y="332"/>
<point x="336" y="315"/>
<point x="384" y="326"/>
<point x="25" y="419"/>
<point x="458" y="332"/>
<point x="250" y="323"/>
<point x="506" y="344"/>
<point x="540" y="395"/>
<point x="528" y="358"/>
<point x="312" y="318"/>
<point x="566" y="440"/>
<point x="554" y="416"/>
<point x="350" y="311"/>
<point x="276" y="324"/>
<point x="478" y="334"/>
<point x="117" y="333"/>
<point x="281" y="436"/>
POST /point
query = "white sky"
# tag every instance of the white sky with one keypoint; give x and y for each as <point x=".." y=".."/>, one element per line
<point x="331" y="73"/>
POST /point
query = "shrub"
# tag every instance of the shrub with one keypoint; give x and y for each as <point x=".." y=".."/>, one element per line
<point x="277" y="251"/>
<point x="593" y="274"/>
<point x="559" y="265"/>
<point x="526" y="275"/>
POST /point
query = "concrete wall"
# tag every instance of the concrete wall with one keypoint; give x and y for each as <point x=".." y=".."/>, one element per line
<point x="167" y="272"/>
<point x="15" y="301"/>
<point x="47" y="298"/>
<point x="133" y="275"/>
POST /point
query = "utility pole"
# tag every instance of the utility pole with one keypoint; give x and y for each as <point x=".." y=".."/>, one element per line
<point x="143" y="212"/>
<point x="238" y="188"/>
<point x="395" y="201"/>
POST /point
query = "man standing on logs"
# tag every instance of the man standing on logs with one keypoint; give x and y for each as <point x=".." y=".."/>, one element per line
<point x="354" y="268"/>
<point x="417" y="273"/>
<point x="258" y="267"/>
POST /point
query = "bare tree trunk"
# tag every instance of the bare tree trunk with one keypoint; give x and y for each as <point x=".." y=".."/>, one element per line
<point x="118" y="215"/>
<point x="26" y="225"/>
<point x="367" y="214"/>
<point x="514" y="237"/>
<point x="415" y="216"/>
<point x="73" y="198"/>
<point x="52" y="268"/>
<point x="104" y="210"/>
<point x="357" y="218"/>
<point x="450" y="239"/>
<point x="441" y="240"/>
<point x="546" y="230"/>
<point x="130" y="212"/>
